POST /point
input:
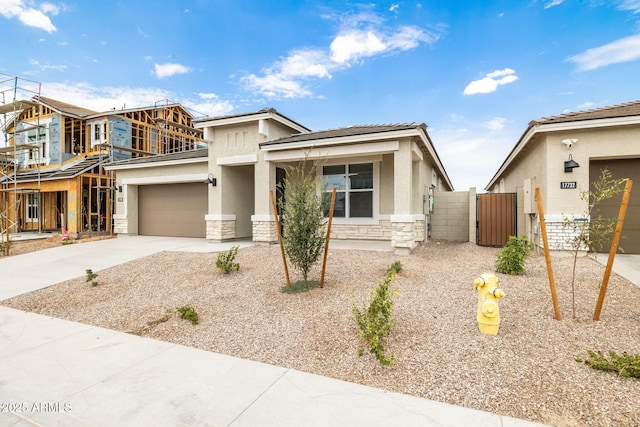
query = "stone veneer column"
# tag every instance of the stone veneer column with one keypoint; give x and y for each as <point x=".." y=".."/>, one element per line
<point x="120" y="224"/>
<point x="403" y="234"/>
<point x="264" y="229"/>
<point x="220" y="227"/>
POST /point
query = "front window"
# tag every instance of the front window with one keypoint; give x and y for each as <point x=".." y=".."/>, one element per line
<point x="354" y="189"/>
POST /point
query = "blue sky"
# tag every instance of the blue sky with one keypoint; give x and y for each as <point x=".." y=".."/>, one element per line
<point x="476" y="72"/>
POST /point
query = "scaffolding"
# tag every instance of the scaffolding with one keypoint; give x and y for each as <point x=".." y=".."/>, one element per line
<point x="18" y="145"/>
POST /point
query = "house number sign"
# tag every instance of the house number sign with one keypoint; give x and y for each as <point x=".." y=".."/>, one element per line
<point x="568" y="185"/>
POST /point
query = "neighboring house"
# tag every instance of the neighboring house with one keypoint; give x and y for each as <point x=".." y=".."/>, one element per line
<point x="52" y="174"/>
<point x="384" y="175"/>
<point x="607" y="137"/>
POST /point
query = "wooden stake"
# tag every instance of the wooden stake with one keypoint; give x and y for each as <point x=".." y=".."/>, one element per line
<point x="547" y="256"/>
<point x="326" y="244"/>
<point x="614" y="247"/>
<point x="284" y="258"/>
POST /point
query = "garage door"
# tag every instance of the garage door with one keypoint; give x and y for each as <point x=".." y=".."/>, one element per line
<point x="172" y="210"/>
<point x="622" y="168"/>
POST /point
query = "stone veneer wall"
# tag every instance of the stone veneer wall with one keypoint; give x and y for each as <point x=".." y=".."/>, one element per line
<point x="264" y="231"/>
<point x="221" y="229"/>
<point x="380" y="231"/>
<point x="558" y="236"/>
<point x="403" y="235"/>
<point x="120" y="224"/>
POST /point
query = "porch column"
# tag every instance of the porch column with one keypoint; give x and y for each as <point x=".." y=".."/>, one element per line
<point x="220" y="225"/>
<point x="403" y="223"/>
<point x="264" y="225"/>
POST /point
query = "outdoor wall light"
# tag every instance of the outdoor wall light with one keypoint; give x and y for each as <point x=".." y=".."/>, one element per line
<point x="211" y="180"/>
<point x="116" y="187"/>
<point x="570" y="164"/>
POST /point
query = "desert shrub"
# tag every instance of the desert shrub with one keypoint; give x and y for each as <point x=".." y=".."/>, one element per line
<point x="91" y="276"/>
<point x="375" y="320"/>
<point x="625" y="364"/>
<point x="512" y="256"/>
<point x="225" y="261"/>
<point x="188" y="313"/>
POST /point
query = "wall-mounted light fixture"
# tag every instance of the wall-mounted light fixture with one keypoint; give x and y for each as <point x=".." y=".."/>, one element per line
<point x="211" y="180"/>
<point x="570" y="164"/>
<point x="116" y="187"/>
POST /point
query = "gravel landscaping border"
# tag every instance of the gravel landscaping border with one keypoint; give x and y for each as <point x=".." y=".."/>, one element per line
<point x="527" y="371"/>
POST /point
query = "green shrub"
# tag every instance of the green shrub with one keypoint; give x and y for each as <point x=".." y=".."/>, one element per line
<point x="626" y="365"/>
<point x="188" y="313"/>
<point x="375" y="320"/>
<point x="91" y="277"/>
<point x="225" y="260"/>
<point x="512" y="256"/>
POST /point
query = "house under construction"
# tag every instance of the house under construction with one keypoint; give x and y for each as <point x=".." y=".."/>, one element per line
<point x="52" y="156"/>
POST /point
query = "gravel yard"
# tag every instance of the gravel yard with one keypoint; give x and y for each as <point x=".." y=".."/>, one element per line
<point x="527" y="371"/>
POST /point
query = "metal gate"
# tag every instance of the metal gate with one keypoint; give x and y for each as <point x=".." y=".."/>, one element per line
<point x="495" y="218"/>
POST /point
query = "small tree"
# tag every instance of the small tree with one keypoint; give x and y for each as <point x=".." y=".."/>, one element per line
<point x="302" y="217"/>
<point x="591" y="231"/>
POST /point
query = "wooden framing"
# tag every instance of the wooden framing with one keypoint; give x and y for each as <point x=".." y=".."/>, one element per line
<point x="83" y="202"/>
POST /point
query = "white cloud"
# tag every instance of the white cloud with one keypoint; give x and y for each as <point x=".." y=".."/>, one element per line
<point x="361" y="36"/>
<point x="355" y="44"/>
<point x="29" y="16"/>
<point x="553" y="3"/>
<point x="622" y="50"/>
<point x="108" y="97"/>
<point x="497" y="123"/>
<point x="394" y="7"/>
<point x="630" y="5"/>
<point x="162" y="71"/>
<point x="491" y="82"/>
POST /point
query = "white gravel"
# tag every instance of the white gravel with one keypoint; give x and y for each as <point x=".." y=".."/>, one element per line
<point x="527" y="371"/>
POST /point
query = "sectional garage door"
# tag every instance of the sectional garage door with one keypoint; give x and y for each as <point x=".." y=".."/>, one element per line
<point x="622" y="168"/>
<point x="172" y="210"/>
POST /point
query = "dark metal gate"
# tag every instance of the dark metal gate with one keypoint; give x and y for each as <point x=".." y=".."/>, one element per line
<point x="496" y="218"/>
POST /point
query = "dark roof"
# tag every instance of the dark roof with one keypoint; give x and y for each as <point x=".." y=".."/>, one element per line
<point x="169" y="157"/>
<point x="63" y="107"/>
<point x="613" y="111"/>
<point x="69" y="170"/>
<point x="345" y="132"/>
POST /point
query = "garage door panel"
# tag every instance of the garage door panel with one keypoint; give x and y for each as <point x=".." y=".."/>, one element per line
<point x="172" y="210"/>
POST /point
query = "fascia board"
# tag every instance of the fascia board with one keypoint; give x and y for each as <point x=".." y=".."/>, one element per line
<point x="157" y="164"/>
<point x="334" y="151"/>
<point x="201" y="124"/>
<point x="342" y="140"/>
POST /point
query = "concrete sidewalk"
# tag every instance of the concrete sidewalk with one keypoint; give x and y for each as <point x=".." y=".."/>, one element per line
<point x="55" y="372"/>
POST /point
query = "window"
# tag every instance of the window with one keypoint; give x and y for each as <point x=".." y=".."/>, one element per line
<point x="32" y="207"/>
<point x="37" y="137"/>
<point x="354" y="189"/>
<point x="98" y="133"/>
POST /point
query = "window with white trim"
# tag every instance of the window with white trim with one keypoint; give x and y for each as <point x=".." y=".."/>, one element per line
<point x="37" y="137"/>
<point x="354" y="189"/>
<point x="98" y="133"/>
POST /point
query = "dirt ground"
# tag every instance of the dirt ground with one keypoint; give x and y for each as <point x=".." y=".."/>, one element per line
<point x="26" y="246"/>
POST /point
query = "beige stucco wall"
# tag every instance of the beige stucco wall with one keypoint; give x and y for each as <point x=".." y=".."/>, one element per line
<point x="543" y="162"/>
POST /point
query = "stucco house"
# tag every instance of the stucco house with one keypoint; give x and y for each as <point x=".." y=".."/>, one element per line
<point x="563" y="155"/>
<point x="384" y="176"/>
<point x="51" y="167"/>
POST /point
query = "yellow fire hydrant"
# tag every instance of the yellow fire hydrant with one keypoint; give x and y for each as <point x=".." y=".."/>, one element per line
<point x="488" y="310"/>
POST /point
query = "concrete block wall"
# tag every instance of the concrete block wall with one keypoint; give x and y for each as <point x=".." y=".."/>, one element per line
<point x="451" y="217"/>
